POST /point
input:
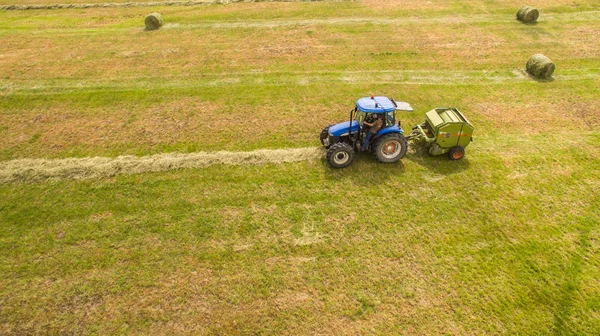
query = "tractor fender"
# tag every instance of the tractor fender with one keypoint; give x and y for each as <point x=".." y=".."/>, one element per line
<point x="392" y="129"/>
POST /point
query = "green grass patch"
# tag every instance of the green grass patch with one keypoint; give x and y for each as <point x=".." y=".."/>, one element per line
<point x="468" y="243"/>
<point x="502" y="242"/>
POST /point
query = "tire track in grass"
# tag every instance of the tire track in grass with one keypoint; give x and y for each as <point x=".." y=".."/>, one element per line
<point x="570" y="289"/>
<point x="239" y="79"/>
<point x="37" y="170"/>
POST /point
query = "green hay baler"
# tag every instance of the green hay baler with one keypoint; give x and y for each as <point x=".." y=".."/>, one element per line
<point x="446" y="130"/>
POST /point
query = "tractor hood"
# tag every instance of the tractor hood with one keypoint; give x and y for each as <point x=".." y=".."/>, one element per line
<point x="342" y="128"/>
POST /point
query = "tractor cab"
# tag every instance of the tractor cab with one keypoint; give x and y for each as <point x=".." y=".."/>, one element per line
<point x="368" y="109"/>
<point x="343" y="139"/>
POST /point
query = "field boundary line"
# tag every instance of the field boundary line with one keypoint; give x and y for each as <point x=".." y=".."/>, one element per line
<point x="38" y="170"/>
<point x="146" y="4"/>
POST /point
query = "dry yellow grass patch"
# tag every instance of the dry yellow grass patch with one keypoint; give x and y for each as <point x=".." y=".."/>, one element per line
<point x="83" y="4"/>
<point x="61" y="126"/>
<point x="442" y="4"/>
<point x="542" y="117"/>
<point x="133" y="54"/>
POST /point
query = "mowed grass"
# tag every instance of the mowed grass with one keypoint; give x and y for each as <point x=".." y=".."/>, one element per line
<point x="503" y="242"/>
<point x="92" y="82"/>
<point x="485" y="246"/>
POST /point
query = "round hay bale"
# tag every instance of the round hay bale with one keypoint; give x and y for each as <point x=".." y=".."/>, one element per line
<point x="528" y="14"/>
<point x="540" y="66"/>
<point x="153" y="21"/>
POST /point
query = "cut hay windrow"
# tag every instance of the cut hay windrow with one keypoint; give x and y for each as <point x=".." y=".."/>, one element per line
<point x="144" y="4"/>
<point x="540" y="67"/>
<point x="528" y="14"/>
<point x="36" y="170"/>
<point x="274" y="78"/>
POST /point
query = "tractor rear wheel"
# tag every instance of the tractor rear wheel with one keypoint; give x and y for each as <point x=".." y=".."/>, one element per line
<point x="456" y="153"/>
<point x="340" y="155"/>
<point x="390" y="148"/>
<point x="324" y="135"/>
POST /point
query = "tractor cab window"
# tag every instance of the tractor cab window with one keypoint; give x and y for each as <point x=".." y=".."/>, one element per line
<point x="371" y="117"/>
<point x="361" y="117"/>
<point x="390" y="119"/>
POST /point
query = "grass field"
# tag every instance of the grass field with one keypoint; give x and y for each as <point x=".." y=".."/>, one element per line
<point x="504" y="242"/>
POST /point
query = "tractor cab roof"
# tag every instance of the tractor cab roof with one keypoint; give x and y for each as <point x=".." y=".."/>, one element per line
<point x="381" y="104"/>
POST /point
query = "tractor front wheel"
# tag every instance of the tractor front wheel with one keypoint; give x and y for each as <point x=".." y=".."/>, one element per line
<point x="340" y="155"/>
<point x="456" y="153"/>
<point x="390" y="148"/>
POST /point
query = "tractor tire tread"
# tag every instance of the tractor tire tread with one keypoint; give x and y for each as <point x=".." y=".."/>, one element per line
<point x="381" y="140"/>
<point x="335" y="149"/>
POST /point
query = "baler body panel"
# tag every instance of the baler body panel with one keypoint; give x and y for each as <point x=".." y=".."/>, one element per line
<point x="450" y="127"/>
<point x="467" y="135"/>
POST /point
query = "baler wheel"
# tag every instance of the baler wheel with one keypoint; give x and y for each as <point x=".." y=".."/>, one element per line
<point x="340" y="155"/>
<point x="456" y="153"/>
<point x="390" y="148"/>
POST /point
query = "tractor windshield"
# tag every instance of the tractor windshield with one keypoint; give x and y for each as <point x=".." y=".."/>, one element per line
<point x="360" y="117"/>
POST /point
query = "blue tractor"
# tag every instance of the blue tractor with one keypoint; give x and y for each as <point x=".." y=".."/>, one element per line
<point x="388" y="145"/>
